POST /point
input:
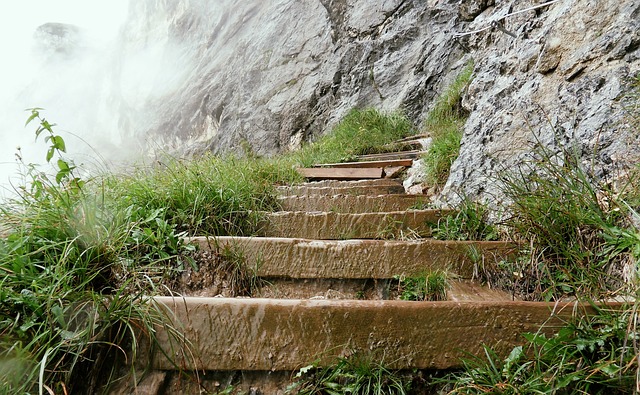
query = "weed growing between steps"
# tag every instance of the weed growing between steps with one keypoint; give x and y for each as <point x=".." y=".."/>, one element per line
<point x="590" y="355"/>
<point x="444" y="123"/>
<point x="471" y="222"/>
<point x="357" y="374"/>
<point x="430" y="286"/>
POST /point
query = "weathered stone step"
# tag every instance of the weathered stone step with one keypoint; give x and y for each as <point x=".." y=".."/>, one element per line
<point x="352" y="203"/>
<point x="331" y="187"/>
<point x="471" y="291"/>
<point x="283" y="335"/>
<point x="341" y="226"/>
<point x="359" y="259"/>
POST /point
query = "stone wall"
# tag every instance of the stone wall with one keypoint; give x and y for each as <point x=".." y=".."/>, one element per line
<point x="267" y="76"/>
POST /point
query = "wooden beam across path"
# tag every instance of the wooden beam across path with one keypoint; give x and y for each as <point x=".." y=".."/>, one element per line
<point x="341" y="174"/>
<point x="367" y="164"/>
<point x="413" y="154"/>
<point x="283" y="335"/>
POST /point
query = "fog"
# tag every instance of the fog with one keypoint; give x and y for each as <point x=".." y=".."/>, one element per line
<point x="73" y="86"/>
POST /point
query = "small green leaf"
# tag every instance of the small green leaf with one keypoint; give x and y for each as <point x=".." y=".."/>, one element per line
<point x="50" y="153"/>
<point x="34" y="115"/>
<point x="45" y="124"/>
<point x="58" y="143"/>
<point x="63" y="165"/>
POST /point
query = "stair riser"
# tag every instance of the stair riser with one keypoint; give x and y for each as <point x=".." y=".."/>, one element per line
<point x="339" y="226"/>
<point x="263" y="334"/>
<point x="358" y="259"/>
<point x="351" y="204"/>
<point x="339" y="190"/>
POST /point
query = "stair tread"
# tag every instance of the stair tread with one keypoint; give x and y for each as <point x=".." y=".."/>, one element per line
<point x="279" y="334"/>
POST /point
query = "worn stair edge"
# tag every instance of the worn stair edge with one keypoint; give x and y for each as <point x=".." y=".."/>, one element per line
<point x="413" y="154"/>
<point x="359" y="259"/>
<point x="340" y="226"/>
<point x="280" y="334"/>
<point x="472" y="291"/>
<point x="367" y="164"/>
<point x="351" y="203"/>
<point x="344" y="173"/>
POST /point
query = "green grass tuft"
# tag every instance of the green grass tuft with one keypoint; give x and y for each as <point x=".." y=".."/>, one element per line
<point x="361" y="132"/>
<point x="444" y="123"/>
<point x="356" y="374"/>
<point x="471" y="222"/>
<point x="430" y="286"/>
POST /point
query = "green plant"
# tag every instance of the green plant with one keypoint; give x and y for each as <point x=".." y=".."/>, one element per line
<point x="64" y="324"/>
<point x="356" y="374"/>
<point x="206" y="195"/>
<point x="430" y="286"/>
<point x="594" y="354"/>
<point x="444" y="123"/>
<point x="575" y="226"/>
<point x="469" y="223"/>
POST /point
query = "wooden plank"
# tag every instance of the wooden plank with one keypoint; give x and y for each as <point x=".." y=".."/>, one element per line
<point x="369" y="164"/>
<point x="391" y="155"/>
<point x="341" y="173"/>
<point x="414" y="137"/>
<point x="283" y="335"/>
<point x="283" y="257"/>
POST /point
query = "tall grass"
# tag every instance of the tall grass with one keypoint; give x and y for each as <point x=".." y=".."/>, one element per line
<point x="444" y="123"/>
<point x="577" y="228"/>
<point x="63" y="323"/>
<point x="207" y="195"/>
<point x="361" y="132"/>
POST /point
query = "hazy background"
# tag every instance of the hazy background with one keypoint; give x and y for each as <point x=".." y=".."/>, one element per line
<point x="73" y="89"/>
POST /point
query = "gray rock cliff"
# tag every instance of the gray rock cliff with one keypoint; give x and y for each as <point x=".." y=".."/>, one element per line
<point x="272" y="74"/>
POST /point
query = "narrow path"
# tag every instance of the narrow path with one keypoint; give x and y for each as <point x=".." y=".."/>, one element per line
<point x="330" y="267"/>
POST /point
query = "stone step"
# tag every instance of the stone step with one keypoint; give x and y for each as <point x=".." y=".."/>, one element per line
<point x="359" y="259"/>
<point x="225" y="334"/>
<point x="341" y="226"/>
<point x="352" y="203"/>
<point x="331" y="187"/>
<point x="471" y="291"/>
<point x="353" y="173"/>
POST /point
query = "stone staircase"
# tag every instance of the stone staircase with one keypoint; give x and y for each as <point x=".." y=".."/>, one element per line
<point x="329" y="266"/>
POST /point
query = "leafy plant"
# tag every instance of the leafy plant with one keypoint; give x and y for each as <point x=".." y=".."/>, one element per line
<point x="589" y="355"/>
<point x="356" y="374"/>
<point x="64" y="324"/>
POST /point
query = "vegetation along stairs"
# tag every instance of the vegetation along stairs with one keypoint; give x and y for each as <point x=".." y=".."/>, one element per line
<point x="332" y="266"/>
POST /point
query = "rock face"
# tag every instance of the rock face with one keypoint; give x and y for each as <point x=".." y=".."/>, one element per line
<point x="232" y="75"/>
<point x="57" y="38"/>
<point x="273" y="74"/>
<point x="563" y="81"/>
